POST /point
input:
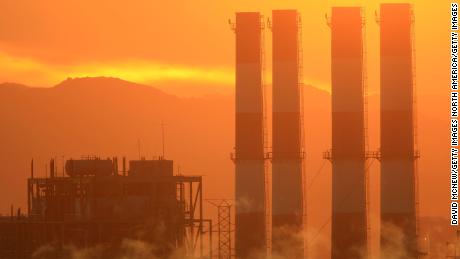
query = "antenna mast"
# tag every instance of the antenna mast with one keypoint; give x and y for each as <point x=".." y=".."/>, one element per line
<point x="163" y="137"/>
<point x="139" y="148"/>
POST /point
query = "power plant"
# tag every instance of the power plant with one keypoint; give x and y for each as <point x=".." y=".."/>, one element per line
<point x="95" y="202"/>
<point x="349" y="154"/>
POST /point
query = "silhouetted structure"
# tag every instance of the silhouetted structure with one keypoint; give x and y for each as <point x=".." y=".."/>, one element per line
<point x="398" y="153"/>
<point x="96" y="205"/>
<point x="287" y="150"/>
<point x="348" y="156"/>
<point x="249" y="157"/>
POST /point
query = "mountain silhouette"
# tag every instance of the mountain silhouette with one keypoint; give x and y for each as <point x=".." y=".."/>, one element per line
<point x="110" y="117"/>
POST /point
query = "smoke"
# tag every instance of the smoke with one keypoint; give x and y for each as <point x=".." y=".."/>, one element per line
<point x="136" y="249"/>
<point x="128" y="249"/>
<point x="294" y="239"/>
<point x="289" y="241"/>
<point x="247" y="204"/>
<point x="51" y="251"/>
<point x="244" y="204"/>
<point x="395" y="242"/>
<point x="151" y="240"/>
<point x="318" y="245"/>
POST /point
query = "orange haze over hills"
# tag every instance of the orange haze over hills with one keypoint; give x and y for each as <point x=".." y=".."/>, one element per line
<point x="107" y="117"/>
<point x="144" y="41"/>
<point x="186" y="52"/>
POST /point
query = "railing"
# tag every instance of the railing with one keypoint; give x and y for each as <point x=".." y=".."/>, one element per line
<point x="328" y="155"/>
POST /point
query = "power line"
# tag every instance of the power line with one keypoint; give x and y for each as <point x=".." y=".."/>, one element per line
<point x="340" y="203"/>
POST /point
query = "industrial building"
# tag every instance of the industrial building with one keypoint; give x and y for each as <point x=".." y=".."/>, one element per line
<point x="96" y="204"/>
<point x="348" y="155"/>
<point x="287" y="136"/>
<point x="249" y="157"/>
<point x="398" y="132"/>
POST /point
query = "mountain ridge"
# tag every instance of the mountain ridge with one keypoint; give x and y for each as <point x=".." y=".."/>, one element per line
<point x="113" y="117"/>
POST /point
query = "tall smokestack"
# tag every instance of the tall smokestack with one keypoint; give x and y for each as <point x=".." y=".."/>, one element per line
<point x="249" y="149"/>
<point x="287" y="158"/>
<point x="349" y="222"/>
<point x="398" y="155"/>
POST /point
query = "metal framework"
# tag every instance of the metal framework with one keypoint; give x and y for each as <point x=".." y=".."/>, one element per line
<point x="224" y="227"/>
<point x="87" y="210"/>
<point x="224" y="230"/>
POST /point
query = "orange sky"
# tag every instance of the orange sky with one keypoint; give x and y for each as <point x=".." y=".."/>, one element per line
<point x="187" y="48"/>
<point x="44" y="42"/>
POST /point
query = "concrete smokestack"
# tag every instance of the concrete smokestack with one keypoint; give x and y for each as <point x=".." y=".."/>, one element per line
<point x="287" y="156"/>
<point x="249" y="157"/>
<point x="349" y="218"/>
<point x="398" y="153"/>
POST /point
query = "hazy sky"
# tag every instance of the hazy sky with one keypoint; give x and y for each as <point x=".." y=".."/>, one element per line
<point x="43" y="42"/>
